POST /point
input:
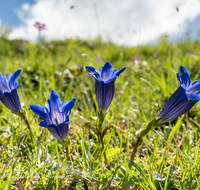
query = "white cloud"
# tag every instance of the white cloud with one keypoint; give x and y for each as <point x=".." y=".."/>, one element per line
<point x="116" y="19"/>
<point x="26" y="7"/>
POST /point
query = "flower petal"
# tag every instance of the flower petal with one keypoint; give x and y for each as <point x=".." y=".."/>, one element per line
<point x="99" y="90"/>
<point x="16" y="99"/>
<point x="110" y="91"/>
<point x="93" y="72"/>
<point x="63" y="130"/>
<point x="43" y="124"/>
<point x="66" y="108"/>
<point x="47" y="106"/>
<point x="13" y="80"/>
<point x="192" y="96"/>
<point x="119" y="72"/>
<point x="113" y="78"/>
<point x="11" y="100"/>
<point x="39" y="110"/>
<point x="172" y="101"/>
<point x="184" y="78"/>
<point x="178" y="110"/>
<point x="194" y="88"/>
<point x="4" y="86"/>
<point x="55" y="105"/>
<point x="53" y="130"/>
<point x="106" y="71"/>
<point x="9" y="76"/>
<point x="8" y="102"/>
<point x="114" y="72"/>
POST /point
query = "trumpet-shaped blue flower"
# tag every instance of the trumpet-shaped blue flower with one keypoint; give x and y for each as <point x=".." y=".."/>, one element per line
<point x="8" y="91"/>
<point x="55" y="117"/>
<point x="105" y="84"/>
<point x="183" y="99"/>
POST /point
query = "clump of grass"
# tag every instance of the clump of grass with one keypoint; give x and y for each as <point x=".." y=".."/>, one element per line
<point x="169" y="156"/>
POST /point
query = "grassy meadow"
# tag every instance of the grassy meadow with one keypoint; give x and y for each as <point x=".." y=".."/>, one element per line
<point x="167" y="159"/>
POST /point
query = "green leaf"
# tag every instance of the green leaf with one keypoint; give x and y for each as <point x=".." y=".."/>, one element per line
<point x="87" y="150"/>
<point x="144" y="176"/>
<point x="111" y="152"/>
<point x="175" y="129"/>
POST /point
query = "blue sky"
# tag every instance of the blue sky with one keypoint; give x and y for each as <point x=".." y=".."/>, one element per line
<point x="8" y="11"/>
<point x="116" y="19"/>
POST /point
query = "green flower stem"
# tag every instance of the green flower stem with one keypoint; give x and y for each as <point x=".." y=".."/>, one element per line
<point x="150" y="126"/>
<point x="29" y="127"/>
<point x="66" y="144"/>
<point x="139" y="139"/>
<point x="67" y="153"/>
<point x="23" y="114"/>
<point x="101" y="117"/>
<point x="102" y="143"/>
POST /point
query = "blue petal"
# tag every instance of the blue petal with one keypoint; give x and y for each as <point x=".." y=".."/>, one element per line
<point x="106" y="71"/>
<point x="104" y="94"/>
<point x="64" y="104"/>
<point x="184" y="78"/>
<point x="119" y="72"/>
<point x="92" y="72"/>
<point x="47" y="106"/>
<point x="15" y="96"/>
<point x="110" y="91"/>
<point x="183" y="107"/>
<point x="63" y="130"/>
<point x="111" y="79"/>
<point x="43" y="124"/>
<point x="8" y="103"/>
<point x="55" y="106"/>
<point x="13" y="80"/>
<point x="4" y="86"/>
<point x="39" y="110"/>
<point x="3" y="89"/>
<point x="175" y="98"/>
<point x="192" y="96"/>
<point x="11" y="100"/>
<point x="53" y="130"/>
<point x="66" y="108"/>
<point x="9" y="76"/>
<point x="100" y="93"/>
<point x="194" y="88"/>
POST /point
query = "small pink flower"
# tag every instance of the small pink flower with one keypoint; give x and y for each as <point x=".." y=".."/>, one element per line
<point x="91" y="44"/>
<point x="155" y="55"/>
<point x="51" y="46"/>
<point x="43" y="47"/>
<point x="136" y="57"/>
<point x="40" y="26"/>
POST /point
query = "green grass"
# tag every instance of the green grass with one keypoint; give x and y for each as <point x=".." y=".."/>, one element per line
<point x="167" y="159"/>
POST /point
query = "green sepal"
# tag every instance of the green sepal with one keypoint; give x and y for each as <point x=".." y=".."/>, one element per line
<point x="65" y="142"/>
<point x="101" y="117"/>
<point x="155" y="122"/>
<point x="22" y="113"/>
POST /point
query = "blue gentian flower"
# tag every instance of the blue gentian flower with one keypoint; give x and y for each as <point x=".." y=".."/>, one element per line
<point x="8" y="92"/>
<point x="182" y="100"/>
<point x="105" y="84"/>
<point x="55" y="117"/>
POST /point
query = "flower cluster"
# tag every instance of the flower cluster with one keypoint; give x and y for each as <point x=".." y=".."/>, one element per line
<point x="55" y="114"/>
<point x="40" y="26"/>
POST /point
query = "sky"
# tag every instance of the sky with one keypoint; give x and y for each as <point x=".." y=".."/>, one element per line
<point x="125" y="22"/>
